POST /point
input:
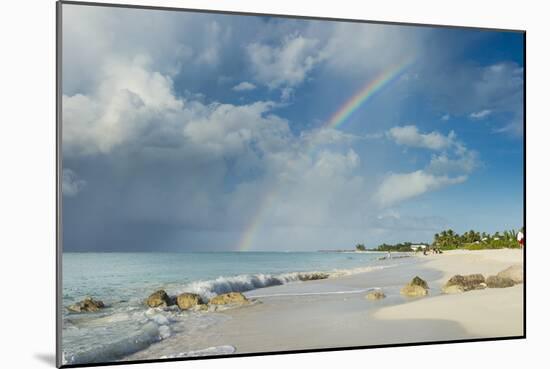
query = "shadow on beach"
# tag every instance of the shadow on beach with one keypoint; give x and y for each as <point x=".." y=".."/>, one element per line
<point x="46" y="358"/>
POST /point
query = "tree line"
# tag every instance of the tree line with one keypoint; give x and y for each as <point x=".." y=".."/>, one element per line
<point x="449" y="239"/>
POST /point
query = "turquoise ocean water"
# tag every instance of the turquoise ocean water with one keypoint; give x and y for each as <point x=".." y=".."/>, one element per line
<point x="123" y="280"/>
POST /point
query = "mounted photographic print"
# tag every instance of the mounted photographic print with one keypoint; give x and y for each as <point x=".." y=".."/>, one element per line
<point x="234" y="184"/>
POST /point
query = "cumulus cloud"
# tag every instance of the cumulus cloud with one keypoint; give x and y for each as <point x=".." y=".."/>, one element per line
<point x="213" y="38"/>
<point x="411" y="137"/>
<point x="303" y="178"/>
<point x="402" y="186"/>
<point x="348" y="49"/>
<point x="451" y="165"/>
<point x="128" y="101"/>
<point x="175" y="166"/>
<point x="464" y="162"/>
<point x="244" y="86"/>
<point x="91" y="35"/>
<point x="327" y="136"/>
<point x="359" y="49"/>
<point x="71" y="185"/>
<point x="177" y="40"/>
<point x="482" y="114"/>
<point x="135" y="107"/>
<point x="286" y="64"/>
<point x="331" y="164"/>
<point x="226" y="159"/>
<point x="189" y="165"/>
<point x="446" y="117"/>
<point x="286" y="93"/>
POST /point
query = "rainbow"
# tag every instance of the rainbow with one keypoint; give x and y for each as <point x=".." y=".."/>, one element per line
<point x="361" y="96"/>
<point x="247" y="237"/>
<point x="366" y="92"/>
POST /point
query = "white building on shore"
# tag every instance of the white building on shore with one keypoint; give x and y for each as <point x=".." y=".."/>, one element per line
<point x="418" y="247"/>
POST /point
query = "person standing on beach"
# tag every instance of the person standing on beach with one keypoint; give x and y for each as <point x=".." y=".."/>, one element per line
<point x="520" y="239"/>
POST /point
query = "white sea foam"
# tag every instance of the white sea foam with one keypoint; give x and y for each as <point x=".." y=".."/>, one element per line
<point x="154" y="327"/>
<point x="159" y="319"/>
<point x="344" y="292"/>
<point x="164" y="332"/>
<point x="247" y="282"/>
<point x="110" y="351"/>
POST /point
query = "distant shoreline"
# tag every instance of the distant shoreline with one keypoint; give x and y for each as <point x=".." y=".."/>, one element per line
<point x="353" y="251"/>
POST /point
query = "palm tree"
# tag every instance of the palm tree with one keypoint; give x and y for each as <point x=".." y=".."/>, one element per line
<point x="477" y="236"/>
<point x="436" y="239"/>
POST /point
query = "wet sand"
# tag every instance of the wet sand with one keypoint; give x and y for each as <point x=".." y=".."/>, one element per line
<point x="335" y="313"/>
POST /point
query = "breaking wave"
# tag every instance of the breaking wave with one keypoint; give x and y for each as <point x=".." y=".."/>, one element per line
<point x="247" y="282"/>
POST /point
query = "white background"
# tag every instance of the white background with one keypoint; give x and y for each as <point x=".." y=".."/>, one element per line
<point x="27" y="187"/>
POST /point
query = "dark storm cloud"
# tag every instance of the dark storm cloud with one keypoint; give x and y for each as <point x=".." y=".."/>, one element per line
<point x="160" y="152"/>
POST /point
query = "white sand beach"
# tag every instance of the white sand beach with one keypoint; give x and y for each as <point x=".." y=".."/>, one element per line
<point x="335" y="313"/>
<point x="493" y="312"/>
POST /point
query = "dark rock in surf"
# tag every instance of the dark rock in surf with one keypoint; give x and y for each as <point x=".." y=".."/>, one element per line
<point x="88" y="305"/>
<point x="416" y="287"/>
<point x="231" y="298"/>
<point x="186" y="301"/>
<point x="499" y="282"/>
<point x="462" y="283"/>
<point x="515" y="273"/>
<point x="375" y="295"/>
<point x="313" y="276"/>
<point x="159" y="299"/>
<point x="201" y="307"/>
<point x="417" y="281"/>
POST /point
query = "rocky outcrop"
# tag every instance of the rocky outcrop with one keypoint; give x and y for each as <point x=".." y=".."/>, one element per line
<point x="186" y="301"/>
<point x="416" y="287"/>
<point x="375" y="295"/>
<point x="413" y="291"/>
<point x="233" y="298"/>
<point x="313" y="276"/>
<point x="452" y="289"/>
<point x="515" y="273"/>
<point x="86" y="306"/>
<point x="159" y="299"/>
<point x="462" y="283"/>
<point x="417" y="281"/>
<point x="499" y="282"/>
<point x="201" y="307"/>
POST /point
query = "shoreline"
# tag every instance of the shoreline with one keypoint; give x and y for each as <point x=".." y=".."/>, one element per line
<point x="334" y="312"/>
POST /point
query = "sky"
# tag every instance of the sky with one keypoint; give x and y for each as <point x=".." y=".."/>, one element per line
<point x="211" y="132"/>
